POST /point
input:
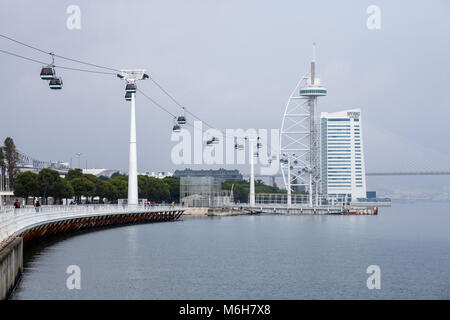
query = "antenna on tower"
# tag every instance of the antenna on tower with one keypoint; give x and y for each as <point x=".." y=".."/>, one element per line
<point x="313" y="64"/>
<point x="314" y="52"/>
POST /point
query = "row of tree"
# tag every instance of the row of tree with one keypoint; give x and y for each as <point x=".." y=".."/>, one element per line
<point x="48" y="183"/>
<point x="241" y="189"/>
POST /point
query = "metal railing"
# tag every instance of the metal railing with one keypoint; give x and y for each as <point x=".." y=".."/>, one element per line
<point x="14" y="221"/>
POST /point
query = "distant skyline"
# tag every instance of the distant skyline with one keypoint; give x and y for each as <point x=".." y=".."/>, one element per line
<point x="234" y="65"/>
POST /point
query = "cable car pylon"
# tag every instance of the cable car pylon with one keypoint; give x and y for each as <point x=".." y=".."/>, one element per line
<point x="131" y="77"/>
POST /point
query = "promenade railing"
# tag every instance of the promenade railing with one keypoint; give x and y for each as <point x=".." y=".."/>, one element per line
<point x="14" y="221"/>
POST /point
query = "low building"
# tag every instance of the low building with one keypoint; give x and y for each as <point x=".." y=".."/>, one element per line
<point x="203" y="188"/>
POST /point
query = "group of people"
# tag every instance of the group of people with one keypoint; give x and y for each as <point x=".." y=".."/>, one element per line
<point x="37" y="205"/>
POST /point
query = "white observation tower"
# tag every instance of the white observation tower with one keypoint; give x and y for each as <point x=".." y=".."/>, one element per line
<point x="300" y="136"/>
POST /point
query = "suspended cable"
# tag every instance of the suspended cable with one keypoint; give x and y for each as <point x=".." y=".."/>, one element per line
<point x="156" y="103"/>
<point x="56" y="66"/>
<point x="22" y="57"/>
<point x="177" y="103"/>
<point x="56" y="55"/>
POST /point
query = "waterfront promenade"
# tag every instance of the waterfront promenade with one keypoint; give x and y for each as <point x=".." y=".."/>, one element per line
<point x="28" y="223"/>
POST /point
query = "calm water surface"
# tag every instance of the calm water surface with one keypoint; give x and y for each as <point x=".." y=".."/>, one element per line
<point x="252" y="257"/>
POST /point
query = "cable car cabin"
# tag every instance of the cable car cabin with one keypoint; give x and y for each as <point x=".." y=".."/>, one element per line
<point x="259" y="145"/>
<point x="239" y="146"/>
<point x="128" y="96"/>
<point x="47" y="73"/>
<point x="209" y="143"/>
<point x="176" y="128"/>
<point x="215" y="140"/>
<point x="55" y="84"/>
<point x="181" y="120"/>
<point x="131" y="88"/>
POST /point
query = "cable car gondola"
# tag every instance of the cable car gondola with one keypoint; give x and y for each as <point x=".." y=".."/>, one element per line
<point x="55" y="84"/>
<point x="48" y="73"/>
<point x="128" y="96"/>
<point x="238" y="146"/>
<point x="131" y="87"/>
<point x="176" y="126"/>
<point x="181" y="120"/>
<point x="209" y="143"/>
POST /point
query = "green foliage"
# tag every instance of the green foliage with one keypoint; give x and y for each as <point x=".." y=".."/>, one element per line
<point x="117" y="174"/>
<point x="62" y="190"/>
<point x="174" y="188"/>
<point x="241" y="189"/>
<point x="74" y="173"/>
<point x="47" y="181"/>
<point x="121" y="185"/>
<point x="83" y="187"/>
<point x="2" y="158"/>
<point x="110" y="191"/>
<point x="26" y="185"/>
<point x="153" y="189"/>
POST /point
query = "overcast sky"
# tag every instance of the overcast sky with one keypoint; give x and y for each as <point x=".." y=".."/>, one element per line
<point x="234" y="64"/>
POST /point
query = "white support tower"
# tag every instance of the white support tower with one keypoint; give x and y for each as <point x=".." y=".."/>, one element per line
<point x="131" y="76"/>
<point x="251" y="141"/>
<point x="300" y="135"/>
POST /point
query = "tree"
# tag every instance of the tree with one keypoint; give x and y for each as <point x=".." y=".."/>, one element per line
<point x="26" y="185"/>
<point x="62" y="190"/>
<point x="11" y="156"/>
<point x="99" y="185"/>
<point x="2" y="168"/>
<point x="47" y="182"/>
<point x="121" y="185"/>
<point x="157" y="190"/>
<point x="74" y="173"/>
<point x="117" y="174"/>
<point x="110" y="191"/>
<point x="174" y="188"/>
<point x="83" y="187"/>
<point x="241" y="189"/>
<point x="143" y="186"/>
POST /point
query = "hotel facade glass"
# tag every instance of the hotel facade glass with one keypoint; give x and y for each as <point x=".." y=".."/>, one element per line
<point x="342" y="154"/>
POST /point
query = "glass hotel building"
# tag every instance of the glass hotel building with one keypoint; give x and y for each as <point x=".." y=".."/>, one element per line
<point x="342" y="154"/>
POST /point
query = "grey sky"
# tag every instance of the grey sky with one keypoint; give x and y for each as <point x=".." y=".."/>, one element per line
<point x="234" y="64"/>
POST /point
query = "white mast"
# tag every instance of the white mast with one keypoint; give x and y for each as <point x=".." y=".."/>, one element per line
<point x="132" y="170"/>
<point x="131" y="76"/>
<point x="252" y="172"/>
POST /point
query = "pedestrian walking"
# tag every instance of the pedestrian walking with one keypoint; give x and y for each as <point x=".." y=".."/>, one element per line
<point x="37" y="205"/>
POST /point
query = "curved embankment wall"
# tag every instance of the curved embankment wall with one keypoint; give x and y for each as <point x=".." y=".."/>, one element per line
<point x="11" y="254"/>
<point x="11" y="266"/>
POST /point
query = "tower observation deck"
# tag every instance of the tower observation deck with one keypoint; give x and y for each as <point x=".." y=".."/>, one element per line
<point x="300" y="135"/>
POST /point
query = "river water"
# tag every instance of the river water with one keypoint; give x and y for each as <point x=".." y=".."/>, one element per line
<point x="251" y="257"/>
